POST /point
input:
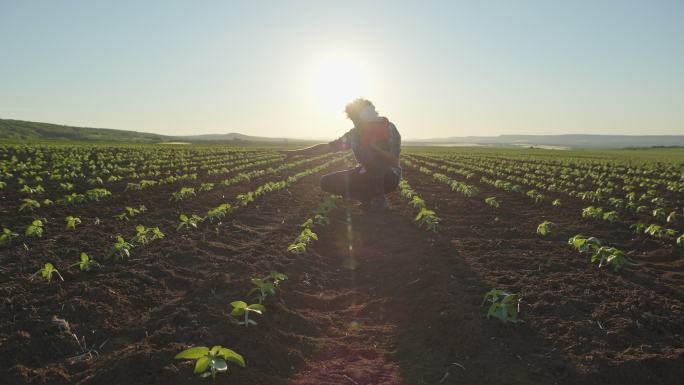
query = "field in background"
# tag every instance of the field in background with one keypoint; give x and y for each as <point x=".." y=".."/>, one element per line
<point x="178" y="232"/>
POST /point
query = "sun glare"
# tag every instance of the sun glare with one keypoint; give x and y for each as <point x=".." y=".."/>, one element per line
<point x="338" y="80"/>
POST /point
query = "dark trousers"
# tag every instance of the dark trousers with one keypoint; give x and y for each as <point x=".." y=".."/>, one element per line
<point x="360" y="186"/>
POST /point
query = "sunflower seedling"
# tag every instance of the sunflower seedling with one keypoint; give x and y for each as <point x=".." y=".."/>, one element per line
<point x="611" y="256"/>
<point x="504" y="306"/>
<point x="29" y="204"/>
<point x="35" y="229"/>
<point x="638" y="228"/>
<point x="493" y="202"/>
<point x="428" y="219"/>
<point x="245" y="199"/>
<point x="211" y="361"/>
<point x="592" y="212"/>
<point x="7" y="236"/>
<point x="146" y="235"/>
<point x="241" y="309"/>
<point x="610" y="216"/>
<point x="545" y="228"/>
<point x="305" y="237"/>
<point x="183" y="193"/>
<point x="86" y="263"/>
<point x="584" y="244"/>
<point x="263" y="288"/>
<point x="660" y="232"/>
<point x="72" y="222"/>
<point x="47" y="271"/>
<point x="121" y="248"/>
<point x="186" y="222"/>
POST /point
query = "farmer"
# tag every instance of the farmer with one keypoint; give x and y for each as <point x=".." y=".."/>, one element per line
<point x="375" y="142"/>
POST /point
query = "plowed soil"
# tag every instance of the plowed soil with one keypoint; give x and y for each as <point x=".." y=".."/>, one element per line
<point x="375" y="300"/>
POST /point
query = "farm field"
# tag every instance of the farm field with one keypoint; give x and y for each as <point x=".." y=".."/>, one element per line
<point x="155" y="246"/>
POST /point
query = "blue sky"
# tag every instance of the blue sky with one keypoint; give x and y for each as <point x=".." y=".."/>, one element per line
<point x="439" y="68"/>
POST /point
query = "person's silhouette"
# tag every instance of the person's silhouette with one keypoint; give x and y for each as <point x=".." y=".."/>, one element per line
<point x="376" y="144"/>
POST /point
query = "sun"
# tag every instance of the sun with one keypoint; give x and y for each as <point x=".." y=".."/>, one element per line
<point x="337" y="80"/>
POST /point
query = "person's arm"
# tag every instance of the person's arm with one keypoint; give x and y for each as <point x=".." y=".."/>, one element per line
<point x="322" y="148"/>
<point x="317" y="149"/>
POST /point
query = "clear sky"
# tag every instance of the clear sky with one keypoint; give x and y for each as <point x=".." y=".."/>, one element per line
<point x="285" y="68"/>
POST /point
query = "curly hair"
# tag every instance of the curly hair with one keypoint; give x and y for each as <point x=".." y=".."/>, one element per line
<point x="355" y="108"/>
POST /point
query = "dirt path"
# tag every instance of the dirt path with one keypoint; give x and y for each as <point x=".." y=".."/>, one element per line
<point x="393" y="304"/>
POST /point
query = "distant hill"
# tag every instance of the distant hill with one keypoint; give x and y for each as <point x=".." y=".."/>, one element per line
<point x="23" y="130"/>
<point x="20" y="129"/>
<point x="233" y="136"/>
<point x="568" y="140"/>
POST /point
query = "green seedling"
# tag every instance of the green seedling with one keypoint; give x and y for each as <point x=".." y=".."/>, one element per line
<point x="35" y="229"/>
<point x="47" y="271"/>
<point x="72" y="222"/>
<point x="638" y="228"/>
<point x="183" y="193"/>
<point x="504" y="306"/>
<point x="146" y="235"/>
<point x="263" y="288"/>
<point x="584" y="244"/>
<point x="616" y="202"/>
<point x="121" y="248"/>
<point x="211" y="361"/>
<point x="303" y="239"/>
<point x="73" y="199"/>
<point x="130" y="212"/>
<point x="245" y="199"/>
<point x="492" y="201"/>
<point x="241" y="309"/>
<point x="206" y="187"/>
<point x="535" y="196"/>
<point x="641" y="209"/>
<point x="611" y="256"/>
<point x="219" y="212"/>
<point x="417" y="202"/>
<point x="672" y="217"/>
<point x="610" y="216"/>
<point x="428" y="219"/>
<point x="592" y="212"/>
<point x="86" y="263"/>
<point x="48" y="202"/>
<point x="275" y="277"/>
<point x="29" y="204"/>
<point x="97" y="193"/>
<point x="658" y="201"/>
<point x="309" y="223"/>
<point x="660" y="232"/>
<point x="545" y="228"/>
<point x="321" y="220"/>
<point x="296" y="248"/>
<point x="7" y="236"/>
<point x="659" y="213"/>
<point x="186" y="222"/>
<point x="32" y="190"/>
